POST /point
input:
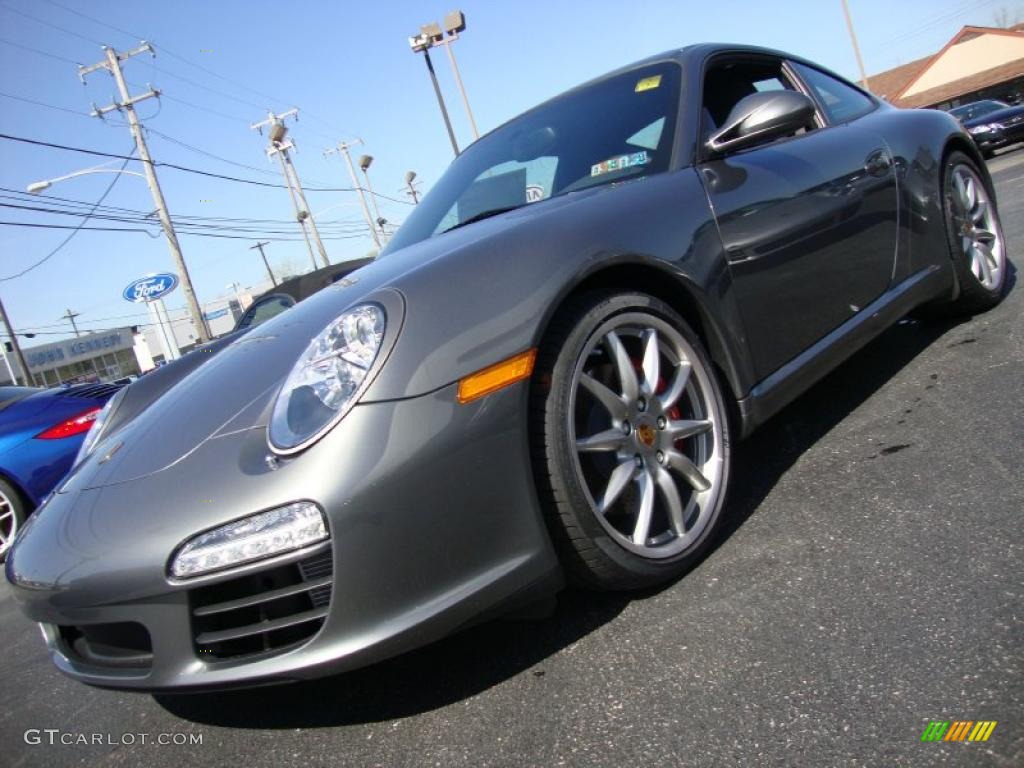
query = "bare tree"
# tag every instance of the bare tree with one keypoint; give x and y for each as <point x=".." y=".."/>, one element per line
<point x="1004" y="18"/>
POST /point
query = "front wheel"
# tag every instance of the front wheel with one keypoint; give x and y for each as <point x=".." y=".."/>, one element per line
<point x="630" y="441"/>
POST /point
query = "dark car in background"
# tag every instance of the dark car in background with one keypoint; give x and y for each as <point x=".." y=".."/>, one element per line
<point x="992" y="124"/>
<point x="41" y="431"/>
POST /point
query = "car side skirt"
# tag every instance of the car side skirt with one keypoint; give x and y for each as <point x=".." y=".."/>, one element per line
<point x="798" y="375"/>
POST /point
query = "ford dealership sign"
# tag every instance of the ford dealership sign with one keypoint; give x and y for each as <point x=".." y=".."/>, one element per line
<point x="150" y="288"/>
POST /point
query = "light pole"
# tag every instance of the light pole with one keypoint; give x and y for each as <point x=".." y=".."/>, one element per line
<point x="364" y="164"/>
<point x="454" y="23"/>
<point x="421" y="43"/>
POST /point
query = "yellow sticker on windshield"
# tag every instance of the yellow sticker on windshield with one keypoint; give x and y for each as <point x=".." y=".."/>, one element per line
<point x="648" y="83"/>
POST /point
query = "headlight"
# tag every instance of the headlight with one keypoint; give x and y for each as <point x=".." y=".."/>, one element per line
<point x="92" y="437"/>
<point x="987" y="128"/>
<point x="252" y="538"/>
<point x="326" y="380"/>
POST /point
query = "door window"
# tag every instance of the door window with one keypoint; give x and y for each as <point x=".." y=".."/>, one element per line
<point x="840" y="101"/>
<point x="729" y="81"/>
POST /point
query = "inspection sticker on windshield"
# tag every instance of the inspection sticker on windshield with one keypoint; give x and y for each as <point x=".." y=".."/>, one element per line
<point x="647" y="84"/>
<point x="620" y="163"/>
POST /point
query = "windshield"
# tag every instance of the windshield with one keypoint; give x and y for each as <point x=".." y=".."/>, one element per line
<point x="977" y="109"/>
<point x="617" y="129"/>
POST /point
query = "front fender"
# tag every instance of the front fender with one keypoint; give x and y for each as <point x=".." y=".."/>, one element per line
<point x="493" y="297"/>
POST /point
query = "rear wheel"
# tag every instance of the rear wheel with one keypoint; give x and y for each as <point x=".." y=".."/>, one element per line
<point x="12" y="516"/>
<point x="975" y="237"/>
<point x="630" y="441"/>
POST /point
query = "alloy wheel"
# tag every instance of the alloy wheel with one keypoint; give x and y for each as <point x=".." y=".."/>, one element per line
<point x="8" y="523"/>
<point x="647" y="434"/>
<point x="977" y="227"/>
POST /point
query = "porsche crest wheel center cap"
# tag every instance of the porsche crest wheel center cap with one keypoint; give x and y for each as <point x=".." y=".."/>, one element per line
<point x="646" y="435"/>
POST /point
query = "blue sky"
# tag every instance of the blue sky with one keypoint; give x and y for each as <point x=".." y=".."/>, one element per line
<point x="347" y="66"/>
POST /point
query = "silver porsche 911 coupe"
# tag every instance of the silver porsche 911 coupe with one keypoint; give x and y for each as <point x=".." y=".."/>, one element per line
<point x="539" y="379"/>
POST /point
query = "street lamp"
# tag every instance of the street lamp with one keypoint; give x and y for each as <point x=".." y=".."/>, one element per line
<point x="38" y="186"/>
<point x="429" y="35"/>
<point x="365" y="161"/>
<point x="165" y="221"/>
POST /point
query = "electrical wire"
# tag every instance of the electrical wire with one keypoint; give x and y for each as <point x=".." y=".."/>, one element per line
<point x="186" y="169"/>
<point x="43" y="104"/>
<point x="74" y="230"/>
<point x="37" y="51"/>
<point x="52" y="26"/>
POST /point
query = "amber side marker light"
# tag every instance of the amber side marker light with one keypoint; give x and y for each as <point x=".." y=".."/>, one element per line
<point x="497" y="376"/>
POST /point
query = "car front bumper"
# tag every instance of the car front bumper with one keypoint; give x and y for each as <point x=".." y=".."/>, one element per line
<point x="1011" y="134"/>
<point x="434" y="523"/>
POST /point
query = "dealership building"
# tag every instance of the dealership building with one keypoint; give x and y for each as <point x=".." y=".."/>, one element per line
<point x="118" y="352"/>
<point x="977" y="63"/>
<point x="107" y="355"/>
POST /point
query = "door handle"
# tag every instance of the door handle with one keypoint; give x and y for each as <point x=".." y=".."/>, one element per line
<point x="878" y="163"/>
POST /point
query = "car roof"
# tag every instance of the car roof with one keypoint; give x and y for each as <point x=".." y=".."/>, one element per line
<point x="688" y="53"/>
<point x="303" y="286"/>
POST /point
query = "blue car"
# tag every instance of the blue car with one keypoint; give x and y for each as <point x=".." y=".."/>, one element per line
<point x="41" y="431"/>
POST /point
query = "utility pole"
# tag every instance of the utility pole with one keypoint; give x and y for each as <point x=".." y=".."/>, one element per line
<point x="15" y="347"/>
<point x="279" y="145"/>
<point x="856" y="48"/>
<point x="70" y="316"/>
<point x="259" y="245"/>
<point x="127" y="105"/>
<point x="409" y="176"/>
<point x="343" y="148"/>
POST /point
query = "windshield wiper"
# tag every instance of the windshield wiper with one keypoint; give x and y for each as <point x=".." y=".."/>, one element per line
<point x="483" y="215"/>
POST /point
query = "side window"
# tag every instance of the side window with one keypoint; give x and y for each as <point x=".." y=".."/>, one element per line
<point x="727" y="82"/>
<point x="263" y="310"/>
<point x="840" y="101"/>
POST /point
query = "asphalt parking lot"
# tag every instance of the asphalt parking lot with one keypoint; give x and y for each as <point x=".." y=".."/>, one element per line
<point x="870" y="582"/>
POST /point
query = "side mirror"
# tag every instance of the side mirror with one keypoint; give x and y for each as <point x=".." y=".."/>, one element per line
<point x="762" y="117"/>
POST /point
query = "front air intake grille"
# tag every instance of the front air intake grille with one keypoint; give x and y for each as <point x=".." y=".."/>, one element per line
<point x="264" y="612"/>
<point x="123" y="644"/>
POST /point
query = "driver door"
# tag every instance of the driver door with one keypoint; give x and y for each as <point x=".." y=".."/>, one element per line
<point x="808" y="221"/>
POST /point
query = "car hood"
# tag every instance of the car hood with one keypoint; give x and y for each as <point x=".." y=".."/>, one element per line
<point x="995" y="117"/>
<point x="234" y="390"/>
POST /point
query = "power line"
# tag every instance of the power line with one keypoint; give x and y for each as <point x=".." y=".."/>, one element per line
<point x="37" y="51"/>
<point x="52" y="26"/>
<point x="152" y="234"/>
<point x="71" y="204"/>
<point x="43" y="104"/>
<point x="208" y="154"/>
<point x="74" y="231"/>
<point x="186" y="169"/>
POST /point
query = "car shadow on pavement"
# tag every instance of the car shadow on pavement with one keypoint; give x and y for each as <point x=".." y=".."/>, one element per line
<point x="472" y="661"/>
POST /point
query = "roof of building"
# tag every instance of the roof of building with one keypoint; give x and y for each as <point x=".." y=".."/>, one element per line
<point x="892" y="84"/>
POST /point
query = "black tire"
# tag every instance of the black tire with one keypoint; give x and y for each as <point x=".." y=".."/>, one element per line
<point x="592" y="556"/>
<point x="974" y="297"/>
<point x="13" y="511"/>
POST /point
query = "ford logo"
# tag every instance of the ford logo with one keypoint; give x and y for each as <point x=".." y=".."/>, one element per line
<point x="150" y="288"/>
